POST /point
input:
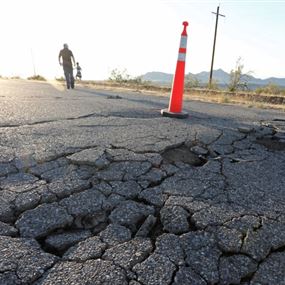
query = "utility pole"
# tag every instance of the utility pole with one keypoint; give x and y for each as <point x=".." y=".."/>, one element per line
<point x="214" y="45"/>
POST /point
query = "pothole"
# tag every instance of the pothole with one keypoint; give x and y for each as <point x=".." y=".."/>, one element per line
<point x="49" y="249"/>
<point x="183" y="154"/>
<point x="271" y="144"/>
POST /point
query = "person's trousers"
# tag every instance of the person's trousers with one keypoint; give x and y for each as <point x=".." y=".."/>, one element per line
<point x="68" y="73"/>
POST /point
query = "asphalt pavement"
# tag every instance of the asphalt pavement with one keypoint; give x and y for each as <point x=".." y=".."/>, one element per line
<point x="96" y="187"/>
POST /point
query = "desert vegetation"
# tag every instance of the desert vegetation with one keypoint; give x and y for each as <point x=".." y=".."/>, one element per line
<point x="270" y="89"/>
<point x="238" y="78"/>
<point x="37" y="77"/>
<point x="237" y="91"/>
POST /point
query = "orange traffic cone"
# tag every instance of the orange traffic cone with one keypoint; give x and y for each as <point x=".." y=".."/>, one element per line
<point x="175" y="103"/>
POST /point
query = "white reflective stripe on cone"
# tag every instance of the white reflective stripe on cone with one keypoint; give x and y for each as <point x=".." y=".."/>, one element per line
<point x="181" y="56"/>
<point x="183" y="42"/>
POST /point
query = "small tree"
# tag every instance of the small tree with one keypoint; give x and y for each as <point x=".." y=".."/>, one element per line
<point x="192" y="82"/>
<point x="238" y="79"/>
<point x="119" y="76"/>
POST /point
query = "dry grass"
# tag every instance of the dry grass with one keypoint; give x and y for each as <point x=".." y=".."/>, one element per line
<point x="254" y="101"/>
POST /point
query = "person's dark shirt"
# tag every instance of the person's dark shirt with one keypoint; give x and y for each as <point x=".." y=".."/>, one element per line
<point x="66" y="55"/>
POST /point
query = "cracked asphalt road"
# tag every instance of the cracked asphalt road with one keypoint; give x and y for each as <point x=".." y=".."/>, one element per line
<point x="96" y="187"/>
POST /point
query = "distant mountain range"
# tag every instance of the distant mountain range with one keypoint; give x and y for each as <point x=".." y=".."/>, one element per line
<point x="220" y="76"/>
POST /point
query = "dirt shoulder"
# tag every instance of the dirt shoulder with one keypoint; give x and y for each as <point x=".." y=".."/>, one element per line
<point x="249" y="99"/>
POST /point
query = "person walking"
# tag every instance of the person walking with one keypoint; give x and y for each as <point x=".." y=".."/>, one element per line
<point x="78" y="73"/>
<point x="66" y="59"/>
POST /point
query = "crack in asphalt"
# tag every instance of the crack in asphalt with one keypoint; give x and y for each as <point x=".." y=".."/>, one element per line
<point x="154" y="233"/>
<point x="53" y="121"/>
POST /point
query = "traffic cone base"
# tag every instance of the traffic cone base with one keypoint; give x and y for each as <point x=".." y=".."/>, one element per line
<point x="180" y="115"/>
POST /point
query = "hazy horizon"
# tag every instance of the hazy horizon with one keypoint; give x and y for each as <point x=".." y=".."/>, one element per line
<point x="140" y="36"/>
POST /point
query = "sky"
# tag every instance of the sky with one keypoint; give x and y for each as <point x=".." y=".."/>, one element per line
<point x="140" y="36"/>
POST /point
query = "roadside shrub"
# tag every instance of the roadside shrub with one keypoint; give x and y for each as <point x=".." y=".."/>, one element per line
<point x="37" y="77"/>
<point x="192" y="82"/>
<point x="136" y="80"/>
<point x="122" y="77"/>
<point x="238" y="79"/>
<point x="119" y="76"/>
<point x="60" y="79"/>
<point x="270" y="88"/>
